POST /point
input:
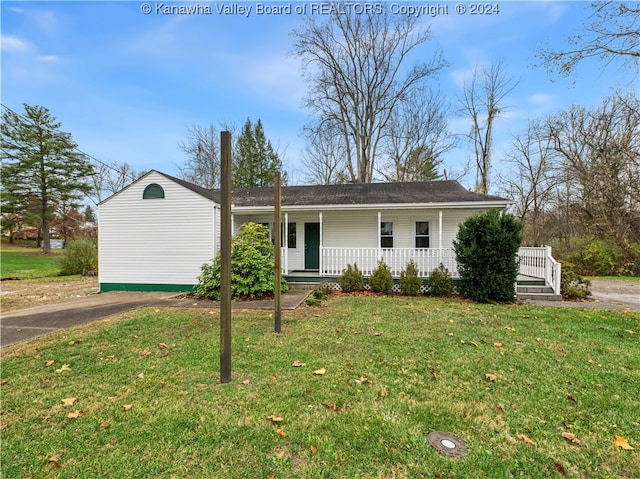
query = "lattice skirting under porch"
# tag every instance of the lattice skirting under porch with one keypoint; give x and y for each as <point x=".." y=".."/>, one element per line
<point x="335" y="286"/>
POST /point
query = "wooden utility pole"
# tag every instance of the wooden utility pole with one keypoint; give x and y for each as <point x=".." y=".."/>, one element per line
<point x="225" y="257"/>
<point x="278" y="253"/>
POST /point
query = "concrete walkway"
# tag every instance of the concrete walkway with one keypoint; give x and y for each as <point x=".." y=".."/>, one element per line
<point x="26" y="324"/>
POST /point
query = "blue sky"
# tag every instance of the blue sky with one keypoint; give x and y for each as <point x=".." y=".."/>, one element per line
<point x="127" y="84"/>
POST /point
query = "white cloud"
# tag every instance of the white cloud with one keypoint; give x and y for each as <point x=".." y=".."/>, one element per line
<point x="540" y="99"/>
<point x="49" y="58"/>
<point x="13" y="44"/>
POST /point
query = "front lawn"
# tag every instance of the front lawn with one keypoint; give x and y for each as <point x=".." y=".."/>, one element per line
<point x="139" y="395"/>
<point x="26" y="263"/>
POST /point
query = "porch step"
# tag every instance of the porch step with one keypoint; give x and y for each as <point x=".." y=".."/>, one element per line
<point x="303" y="286"/>
<point x="537" y="292"/>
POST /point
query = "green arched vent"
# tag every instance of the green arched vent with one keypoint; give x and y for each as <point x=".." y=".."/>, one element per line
<point x="153" y="191"/>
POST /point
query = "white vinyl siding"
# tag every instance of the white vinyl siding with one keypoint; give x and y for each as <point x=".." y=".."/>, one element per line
<point x="158" y="241"/>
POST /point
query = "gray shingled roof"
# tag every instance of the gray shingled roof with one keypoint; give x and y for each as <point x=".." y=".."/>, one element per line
<point x="350" y="194"/>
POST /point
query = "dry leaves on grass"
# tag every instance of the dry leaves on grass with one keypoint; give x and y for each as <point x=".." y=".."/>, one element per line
<point x="65" y="367"/>
<point x="622" y="442"/>
<point x="282" y="433"/>
<point x="298" y="364"/>
<point x="572" y="437"/>
<point x="320" y="372"/>
<point x="55" y="460"/>
<point x="524" y="438"/>
<point x="275" y="418"/>
<point x="66" y="402"/>
<point x="75" y="414"/>
<point x="491" y="377"/>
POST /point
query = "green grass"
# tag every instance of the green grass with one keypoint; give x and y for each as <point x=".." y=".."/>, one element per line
<point x="558" y="370"/>
<point x="628" y="279"/>
<point x="27" y="263"/>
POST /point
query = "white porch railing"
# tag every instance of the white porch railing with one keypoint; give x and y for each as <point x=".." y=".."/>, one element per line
<point x="534" y="262"/>
<point x="538" y="263"/>
<point x="335" y="260"/>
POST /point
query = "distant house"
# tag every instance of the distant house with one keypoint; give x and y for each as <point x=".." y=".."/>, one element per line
<point x="156" y="233"/>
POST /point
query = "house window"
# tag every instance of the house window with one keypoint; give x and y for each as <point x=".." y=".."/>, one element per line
<point x="291" y="230"/>
<point x="153" y="191"/>
<point x="422" y="234"/>
<point x="292" y="236"/>
<point x="386" y="234"/>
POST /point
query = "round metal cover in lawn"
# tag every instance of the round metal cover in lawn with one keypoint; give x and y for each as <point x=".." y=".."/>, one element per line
<point x="448" y="444"/>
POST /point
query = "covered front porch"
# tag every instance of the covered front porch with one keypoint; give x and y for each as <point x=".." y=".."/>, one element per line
<point x="537" y="265"/>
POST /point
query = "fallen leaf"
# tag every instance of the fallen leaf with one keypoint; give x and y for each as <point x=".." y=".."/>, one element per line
<point x="320" y="372"/>
<point x="433" y="373"/>
<point x="298" y="364"/>
<point x="127" y="407"/>
<point x="572" y="437"/>
<point x="500" y="410"/>
<point x="66" y="402"/>
<point x="491" y="377"/>
<point x="314" y="449"/>
<point x="141" y="376"/>
<point x="65" y="367"/>
<point x="383" y="392"/>
<point x="526" y="440"/>
<point x="246" y="382"/>
<point x="363" y="380"/>
<point x="560" y="468"/>
<point x="145" y="353"/>
<point x="55" y="460"/>
<point x="165" y="354"/>
<point x="280" y="453"/>
<point x="338" y="330"/>
<point x="274" y="377"/>
<point x="163" y="384"/>
<point x="497" y="345"/>
<point x="163" y="345"/>
<point x="281" y="433"/>
<point x="105" y="425"/>
<point x="275" y="418"/>
<point x="571" y="398"/>
<point x="622" y="442"/>
<point x="629" y="331"/>
<point x="51" y="362"/>
<point x="75" y="414"/>
<point x="3" y="382"/>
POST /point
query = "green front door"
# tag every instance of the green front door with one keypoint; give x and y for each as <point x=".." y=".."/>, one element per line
<point x="312" y="246"/>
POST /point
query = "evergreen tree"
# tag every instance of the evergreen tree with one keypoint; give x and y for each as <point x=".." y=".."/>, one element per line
<point x="41" y="167"/>
<point x="255" y="160"/>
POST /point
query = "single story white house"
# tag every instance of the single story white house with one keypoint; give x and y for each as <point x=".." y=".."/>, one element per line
<point x="156" y="233"/>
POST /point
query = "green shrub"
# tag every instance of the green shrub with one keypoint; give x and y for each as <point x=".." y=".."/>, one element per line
<point x="313" y="302"/>
<point x="572" y="285"/>
<point x="600" y="257"/>
<point x="351" y="279"/>
<point x="440" y="282"/>
<point x="486" y="248"/>
<point x="410" y="283"/>
<point x="252" y="267"/>
<point x="80" y="256"/>
<point x="381" y="280"/>
<point x="320" y="294"/>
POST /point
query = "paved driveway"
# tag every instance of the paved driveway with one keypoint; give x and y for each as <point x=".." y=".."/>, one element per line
<point x="626" y="294"/>
<point x="25" y="324"/>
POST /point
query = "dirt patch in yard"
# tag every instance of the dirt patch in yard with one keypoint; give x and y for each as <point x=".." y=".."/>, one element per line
<point x="21" y="294"/>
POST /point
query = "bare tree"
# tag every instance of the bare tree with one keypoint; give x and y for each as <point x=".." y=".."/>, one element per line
<point x="600" y="153"/>
<point x="532" y="180"/>
<point x="611" y="31"/>
<point x="356" y="64"/>
<point x="482" y="102"/>
<point x="202" y="166"/>
<point x="417" y="138"/>
<point x="324" y="156"/>
<point x="109" y="178"/>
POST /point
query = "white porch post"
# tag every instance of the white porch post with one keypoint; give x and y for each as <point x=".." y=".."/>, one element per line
<point x="320" y="265"/>
<point x="440" y="233"/>
<point x="286" y="242"/>
<point x="232" y="226"/>
<point x="378" y="233"/>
